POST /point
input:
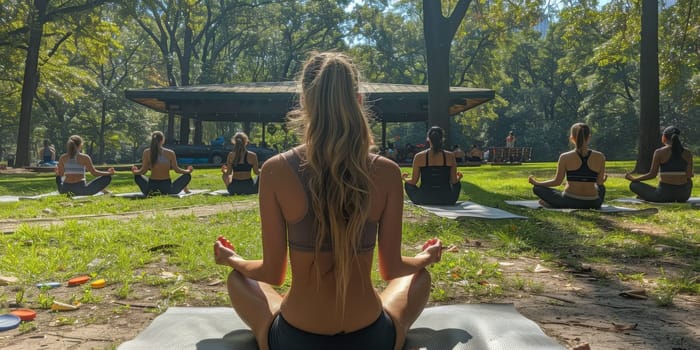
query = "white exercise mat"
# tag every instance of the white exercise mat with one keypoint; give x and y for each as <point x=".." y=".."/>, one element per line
<point x="448" y="327"/>
<point x="469" y="209"/>
<point x="219" y="193"/>
<point x="39" y="196"/>
<point x="605" y="208"/>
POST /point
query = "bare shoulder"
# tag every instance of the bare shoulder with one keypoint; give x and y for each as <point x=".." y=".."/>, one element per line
<point x="597" y="154"/>
<point x="384" y="171"/>
<point x="275" y="165"/>
<point x="568" y="155"/>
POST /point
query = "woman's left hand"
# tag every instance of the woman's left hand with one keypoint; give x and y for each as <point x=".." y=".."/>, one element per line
<point x="432" y="247"/>
<point x="224" y="255"/>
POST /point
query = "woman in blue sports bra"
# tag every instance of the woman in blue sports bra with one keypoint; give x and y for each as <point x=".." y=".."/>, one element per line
<point x="160" y="160"/>
<point x="437" y="171"/>
<point x="325" y="206"/>
<point x="584" y="170"/>
<point x="70" y="171"/>
<point x="239" y="163"/>
<point x="674" y="165"/>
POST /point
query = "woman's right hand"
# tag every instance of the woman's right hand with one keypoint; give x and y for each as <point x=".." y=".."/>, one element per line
<point x="134" y="169"/>
<point x="531" y="180"/>
<point x="404" y="176"/>
<point x="224" y="168"/>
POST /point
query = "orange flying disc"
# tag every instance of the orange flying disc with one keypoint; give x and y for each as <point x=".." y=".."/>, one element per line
<point x="24" y="314"/>
<point x="76" y="281"/>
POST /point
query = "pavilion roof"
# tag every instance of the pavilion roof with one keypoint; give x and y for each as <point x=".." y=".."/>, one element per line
<point x="270" y="101"/>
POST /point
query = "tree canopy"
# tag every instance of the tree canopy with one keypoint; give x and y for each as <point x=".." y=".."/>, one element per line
<point x="64" y="66"/>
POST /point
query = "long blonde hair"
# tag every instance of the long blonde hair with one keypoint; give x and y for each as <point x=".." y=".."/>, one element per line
<point x="239" y="141"/>
<point x="334" y="128"/>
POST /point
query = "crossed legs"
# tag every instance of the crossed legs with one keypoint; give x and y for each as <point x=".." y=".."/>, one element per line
<point x="257" y="303"/>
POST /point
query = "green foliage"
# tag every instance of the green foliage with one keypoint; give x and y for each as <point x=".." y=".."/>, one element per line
<point x="583" y="67"/>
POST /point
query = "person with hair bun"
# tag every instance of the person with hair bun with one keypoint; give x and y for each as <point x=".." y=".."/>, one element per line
<point x="239" y="163"/>
<point x="674" y="165"/>
<point x="329" y="203"/>
<point x="160" y="160"/>
<point x="584" y="170"/>
<point x="436" y="169"/>
<point x="70" y="171"/>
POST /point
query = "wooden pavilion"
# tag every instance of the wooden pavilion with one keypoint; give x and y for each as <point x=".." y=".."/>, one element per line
<point x="270" y="102"/>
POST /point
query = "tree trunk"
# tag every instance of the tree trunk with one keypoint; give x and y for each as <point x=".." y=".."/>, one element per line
<point x="439" y="32"/>
<point x="101" y="137"/>
<point x="29" y="84"/>
<point x="648" y="87"/>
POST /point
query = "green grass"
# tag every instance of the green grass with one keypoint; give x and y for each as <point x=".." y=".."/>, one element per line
<point x="133" y="255"/>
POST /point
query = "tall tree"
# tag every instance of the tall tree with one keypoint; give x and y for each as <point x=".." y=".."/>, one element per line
<point x="42" y="13"/>
<point x="648" y="86"/>
<point x="439" y="31"/>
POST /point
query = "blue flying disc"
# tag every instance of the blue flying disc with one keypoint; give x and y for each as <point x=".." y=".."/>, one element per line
<point x="9" y="321"/>
<point x="49" y="285"/>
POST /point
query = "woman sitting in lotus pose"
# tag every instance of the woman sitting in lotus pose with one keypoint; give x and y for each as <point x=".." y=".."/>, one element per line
<point x="674" y="165"/>
<point x="437" y="171"/>
<point x="584" y="170"/>
<point x="239" y="163"/>
<point x="159" y="160"/>
<point x="328" y="204"/>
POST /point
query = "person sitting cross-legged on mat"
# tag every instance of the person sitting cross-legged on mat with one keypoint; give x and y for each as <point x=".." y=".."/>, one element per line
<point x="585" y="176"/>
<point x="437" y="171"/>
<point x="159" y="160"/>
<point x="329" y="213"/>
<point x="674" y="165"/>
<point x="239" y="163"/>
<point x="70" y="171"/>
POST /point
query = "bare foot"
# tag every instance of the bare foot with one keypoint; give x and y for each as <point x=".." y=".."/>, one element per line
<point x="544" y="204"/>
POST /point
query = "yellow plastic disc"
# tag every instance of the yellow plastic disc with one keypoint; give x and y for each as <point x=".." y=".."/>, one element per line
<point x="100" y="283"/>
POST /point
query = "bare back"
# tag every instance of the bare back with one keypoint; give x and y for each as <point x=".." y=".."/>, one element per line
<point x="310" y="303"/>
<point x="160" y="170"/>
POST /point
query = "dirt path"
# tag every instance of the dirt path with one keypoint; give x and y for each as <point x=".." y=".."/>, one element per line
<point x="574" y="306"/>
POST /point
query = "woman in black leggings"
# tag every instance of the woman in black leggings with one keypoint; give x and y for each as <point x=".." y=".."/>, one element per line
<point x="239" y="163"/>
<point x="584" y="170"/>
<point x="674" y="165"/>
<point x="437" y="171"/>
<point x="160" y="160"/>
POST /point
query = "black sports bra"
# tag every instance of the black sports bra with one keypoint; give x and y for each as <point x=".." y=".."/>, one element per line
<point x="583" y="173"/>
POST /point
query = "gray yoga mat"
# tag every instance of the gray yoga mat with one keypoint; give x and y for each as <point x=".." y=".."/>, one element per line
<point x="605" y="208"/>
<point x="632" y="200"/>
<point x="469" y="209"/>
<point x="456" y="327"/>
<point x="182" y="194"/>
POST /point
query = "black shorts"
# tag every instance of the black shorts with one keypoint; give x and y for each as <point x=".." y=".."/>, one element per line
<point x="380" y="335"/>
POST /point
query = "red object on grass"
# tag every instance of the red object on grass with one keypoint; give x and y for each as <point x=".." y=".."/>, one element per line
<point x="24" y="314"/>
<point x="76" y="281"/>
